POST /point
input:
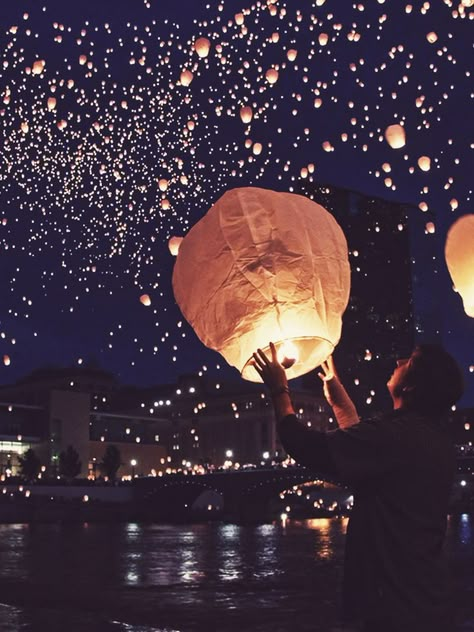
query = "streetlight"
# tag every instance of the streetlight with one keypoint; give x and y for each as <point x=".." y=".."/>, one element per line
<point x="133" y="463"/>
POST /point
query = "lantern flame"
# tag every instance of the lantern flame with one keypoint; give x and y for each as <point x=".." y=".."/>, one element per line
<point x="287" y="354"/>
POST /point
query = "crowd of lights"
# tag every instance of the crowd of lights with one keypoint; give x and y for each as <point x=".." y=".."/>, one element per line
<point x="113" y="146"/>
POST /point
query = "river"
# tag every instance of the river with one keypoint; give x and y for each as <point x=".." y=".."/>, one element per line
<point x="190" y="578"/>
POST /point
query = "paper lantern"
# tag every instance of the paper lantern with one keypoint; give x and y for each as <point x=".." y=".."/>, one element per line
<point x="459" y="252"/>
<point x="395" y="136"/>
<point x="323" y="39"/>
<point x="145" y="300"/>
<point x="263" y="266"/>
<point x="38" y="66"/>
<point x="432" y="37"/>
<point x="239" y="18"/>
<point x="202" y="46"/>
<point x="291" y="54"/>
<point x="424" y="163"/>
<point x="6" y="360"/>
<point x="186" y="77"/>
<point x="51" y="104"/>
<point x="173" y="244"/>
<point x="271" y="75"/>
<point x="246" y="114"/>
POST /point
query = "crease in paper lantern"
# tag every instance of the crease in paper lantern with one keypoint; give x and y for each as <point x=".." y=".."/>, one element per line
<point x="264" y="266"/>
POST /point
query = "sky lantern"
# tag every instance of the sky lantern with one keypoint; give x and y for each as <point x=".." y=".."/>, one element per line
<point x="395" y="136"/>
<point x="291" y="54"/>
<point x="51" y="104"/>
<point x="82" y="60"/>
<point x="263" y="266"/>
<point x="257" y="149"/>
<point x="163" y="184"/>
<point x="239" y="19"/>
<point x="186" y="77"/>
<point x="173" y="245"/>
<point x="38" y="67"/>
<point x="145" y="300"/>
<point x="459" y="252"/>
<point x="432" y="37"/>
<point x="424" y="163"/>
<point x="271" y="75"/>
<point x="61" y="124"/>
<point x="246" y="114"/>
<point x="323" y="39"/>
<point x="6" y="360"/>
<point x="202" y="46"/>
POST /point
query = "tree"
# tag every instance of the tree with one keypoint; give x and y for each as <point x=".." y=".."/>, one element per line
<point x="30" y="465"/>
<point x="111" y="462"/>
<point x="69" y="464"/>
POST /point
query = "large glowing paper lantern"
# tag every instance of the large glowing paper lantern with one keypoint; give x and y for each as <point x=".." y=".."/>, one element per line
<point x="262" y="266"/>
<point x="459" y="253"/>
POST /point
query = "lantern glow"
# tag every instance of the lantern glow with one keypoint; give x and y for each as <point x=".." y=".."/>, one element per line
<point x="264" y="266"/>
<point x="459" y="252"/>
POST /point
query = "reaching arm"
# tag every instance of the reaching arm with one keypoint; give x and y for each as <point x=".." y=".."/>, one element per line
<point x="336" y="395"/>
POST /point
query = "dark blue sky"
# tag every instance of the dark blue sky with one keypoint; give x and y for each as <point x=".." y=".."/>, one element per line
<point x="84" y="225"/>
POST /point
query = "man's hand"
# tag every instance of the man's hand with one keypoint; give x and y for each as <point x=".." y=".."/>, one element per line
<point x="336" y="395"/>
<point x="270" y="370"/>
<point x="331" y="382"/>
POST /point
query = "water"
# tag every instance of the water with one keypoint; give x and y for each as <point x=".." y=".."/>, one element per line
<point x="156" y="578"/>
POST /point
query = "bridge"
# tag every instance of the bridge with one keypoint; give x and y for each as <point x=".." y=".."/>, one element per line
<point x="241" y="495"/>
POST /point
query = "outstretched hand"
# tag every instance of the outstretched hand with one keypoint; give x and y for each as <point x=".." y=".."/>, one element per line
<point x="331" y="383"/>
<point x="270" y="370"/>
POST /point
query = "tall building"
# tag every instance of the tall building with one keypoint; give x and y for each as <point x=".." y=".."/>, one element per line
<point x="388" y="311"/>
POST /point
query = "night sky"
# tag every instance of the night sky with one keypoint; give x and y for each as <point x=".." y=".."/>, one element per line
<point x="106" y="154"/>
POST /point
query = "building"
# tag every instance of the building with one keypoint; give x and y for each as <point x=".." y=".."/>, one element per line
<point x="193" y="423"/>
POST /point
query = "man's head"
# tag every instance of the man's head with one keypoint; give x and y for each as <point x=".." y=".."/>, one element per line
<point x="429" y="381"/>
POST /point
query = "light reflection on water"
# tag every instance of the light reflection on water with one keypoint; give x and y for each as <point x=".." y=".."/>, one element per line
<point x="167" y="578"/>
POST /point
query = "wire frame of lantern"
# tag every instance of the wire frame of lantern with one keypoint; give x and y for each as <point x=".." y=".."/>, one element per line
<point x="264" y="266"/>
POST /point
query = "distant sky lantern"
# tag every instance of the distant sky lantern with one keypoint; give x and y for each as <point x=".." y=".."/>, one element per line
<point x="82" y="59"/>
<point x="186" y="77"/>
<point x="264" y="266"/>
<point x="395" y="136"/>
<point x="454" y="204"/>
<point x="51" y="104"/>
<point x="430" y="228"/>
<point x="145" y="300"/>
<point x="432" y="37"/>
<point x="424" y="163"/>
<point x="202" y="46"/>
<point x="163" y="184"/>
<point x="246" y="114"/>
<point x="459" y="252"/>
<point x="271" y="75"/>
<point x="38" y="66"/>
<point x="62" y="124"/>
<point x="257" y="149"/>
<point x="25" y="127"/>
<point x="323" y="39"/>
<point x="291" y="54"/>
<point x="173" y="244"/>
<point x="6" y="360"/>
<point x="239" y="19"/>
